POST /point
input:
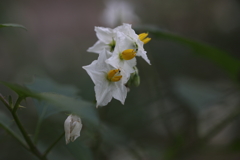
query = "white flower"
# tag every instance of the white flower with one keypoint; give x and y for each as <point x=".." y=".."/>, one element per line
<point x="109" y="82"/>
<point x="72" y="127"/>
<point x="118" y="12"/>
<point x="127" y="30"/>
<point x="106" y="40"/>
<point x="124" y="54"/>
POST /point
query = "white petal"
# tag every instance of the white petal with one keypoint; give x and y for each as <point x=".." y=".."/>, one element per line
<point x="120" y="92"/>
<point x="114" y="61"/>
<point x="92" y="72"/>
<point x="98" y="47"/>
<point x="104" y="34"/>
<point x="76" y="130"/>
<point x="144" y="56"/>
<point x="103" y="94"/>
<point x="67" y="126"/>
<point x="123" y="42"/>
<point x="129" y="64"/>
<point x="127" y="30"/>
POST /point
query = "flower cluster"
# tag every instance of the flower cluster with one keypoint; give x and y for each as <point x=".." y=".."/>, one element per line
<point x="116" y="64"/>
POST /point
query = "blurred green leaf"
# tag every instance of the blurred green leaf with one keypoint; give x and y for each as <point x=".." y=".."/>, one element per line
<point x="76" y="105"/>
<point x="59" y="97"/>
<point x="197" y="93"/>
<point x="5" y="123"/>
<point x="20" y="90"/>
<point x="79" y="151"/>
<point x="219" y="57"/>
<point x="12" y="25"/>
<point x="84" y="109"/>
<point x="47" y="85"/>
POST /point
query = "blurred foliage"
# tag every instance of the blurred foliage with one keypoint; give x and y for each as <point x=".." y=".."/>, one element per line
<point x="12" y="25"/>
<point x="185" y="108"/>
<point x="217" y="56"/>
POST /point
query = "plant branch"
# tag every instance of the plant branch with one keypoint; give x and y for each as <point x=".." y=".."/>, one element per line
<point x="31" y="145"/>
<point x="26" y="137"/>
<point x="17" y="104"/>
<point x="5" y="103"/>
<point x="53" y="144"/>
<point x="40" y="120"/>
<point x="8" y="130"/>
<point x="221" y="125"/>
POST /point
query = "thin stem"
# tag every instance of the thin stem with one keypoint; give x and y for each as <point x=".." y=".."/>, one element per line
<point x="221" y="125"/>
<point x="32" y="147"/>
<point x="202" y="141"/>
<point x="52" y="145"/>
<point x="26" y="137"/>
<point x="40" y="120"/>
<point x="17" y="104"/>
<point x="8" y="130"/>
<point x="5" y="103"/>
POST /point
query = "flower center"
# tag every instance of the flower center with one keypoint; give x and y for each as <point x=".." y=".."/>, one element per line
<point x="114" y="75"/>
<point x="143" y="37"/>
<point x="112" y="45"/>
<point x="128" y="54"/>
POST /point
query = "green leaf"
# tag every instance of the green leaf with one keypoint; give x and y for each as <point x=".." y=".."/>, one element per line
<point x="46" y="84"/>
<point x="219" y="57"/>
<point x="79" y="151"/>
<point x="61" y="98"/>
<point x="20" y="90"/>
<point x="12" y="25"/>
<point x="5" y="123"/>
<point x="84" y="109"/>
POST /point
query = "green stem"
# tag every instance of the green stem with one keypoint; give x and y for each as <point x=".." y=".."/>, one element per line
<point x="17" y="104"/>
<point x="52" y="145"/>
<point x="26" y="137"/>
<point x="40" y="120"/>
<point x="31" y="147"/>
<point x="5" y="103"/>
<point x="221" y="125"/>
<point x="182" y="152"/>
<point x="8" y="130"/>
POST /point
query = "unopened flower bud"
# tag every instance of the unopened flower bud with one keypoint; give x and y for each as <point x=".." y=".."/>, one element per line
<point x="72" y="127"/>
<point x="136" y="80"/>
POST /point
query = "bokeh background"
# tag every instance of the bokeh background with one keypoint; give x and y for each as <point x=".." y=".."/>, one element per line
<point x="186" y="106"/>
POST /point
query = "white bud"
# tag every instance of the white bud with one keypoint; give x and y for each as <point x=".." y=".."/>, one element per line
<point x="72" y="127"/>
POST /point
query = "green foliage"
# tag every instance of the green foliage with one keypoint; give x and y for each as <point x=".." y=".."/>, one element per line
<point x="217" y="56"/>
<point x="80" y="151"/>
<point x="78" y="106"/>
<point x="5" y="123"/>
<point x="20" y="90"/>
<point x="12" y="25"/>
<point x="57" y="98"/>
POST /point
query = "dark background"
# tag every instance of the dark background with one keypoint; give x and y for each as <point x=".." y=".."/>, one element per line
<point x="181" y="99"/>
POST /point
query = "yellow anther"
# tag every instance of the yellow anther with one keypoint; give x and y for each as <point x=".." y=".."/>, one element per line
<point x="116" y="78"/>
<point x="146" y="40"/>
<point x="128" y="54"/>
<point x="114" y="75"/>
<point x="143" y="37"/>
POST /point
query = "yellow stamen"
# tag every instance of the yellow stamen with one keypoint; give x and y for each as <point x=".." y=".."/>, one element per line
<point x="128" y="54"/>
<point x="146" y="40"/>
<point x="114" y="75"/>
<point x="143" y="37"/>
